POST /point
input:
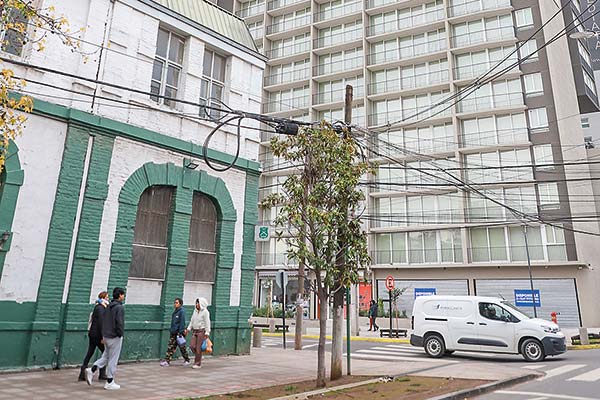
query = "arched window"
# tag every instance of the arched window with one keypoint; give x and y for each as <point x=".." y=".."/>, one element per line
<point x="150" y="241"/>
<point x="202" y="244"/>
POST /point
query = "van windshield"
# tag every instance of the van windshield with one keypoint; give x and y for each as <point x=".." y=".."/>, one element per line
<point x="515" y="310"/>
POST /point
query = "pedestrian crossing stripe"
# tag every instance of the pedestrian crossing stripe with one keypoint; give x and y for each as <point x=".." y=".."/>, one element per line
<point x="560" y="370"/>
<point x="401" y="350"/>
<point x="376" y="355"/>
<point x="590" y="376"/>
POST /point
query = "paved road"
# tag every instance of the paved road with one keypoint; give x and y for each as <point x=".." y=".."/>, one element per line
<point x="571" y="376"/>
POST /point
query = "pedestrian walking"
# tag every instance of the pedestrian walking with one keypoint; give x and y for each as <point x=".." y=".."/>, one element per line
<point x="113" y="326"/>
<point x="373" y="309"/>
<point x="95" y="335"/>
<point x="177" y="338"/>
<point x="200" y="328"/>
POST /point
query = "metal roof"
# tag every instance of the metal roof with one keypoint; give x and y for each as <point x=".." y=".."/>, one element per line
<point x="214" y="18"/>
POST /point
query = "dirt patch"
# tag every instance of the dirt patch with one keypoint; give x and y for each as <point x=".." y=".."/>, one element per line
<point x="405" y="388"/>
<point x="284" y="390"/>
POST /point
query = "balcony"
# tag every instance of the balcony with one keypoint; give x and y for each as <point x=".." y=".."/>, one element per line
<point x="287" y="77"/>
<point x="275" y="4"/>
<point x="409" y="82"/>
<point x="263" y="259"/>
<point x="475" y="6"/>
<point x="289" y="25"/>
<point x="287" y="51"/>
<point x="291" y="104"/>
<point x="406" y="22"/>
<point x="380" y="3"/>
<point x="489" y="35"/>
<point x="257" y="32"/>
<point x="346" y="36"/>
<point x="476" y="70"/>
<point x="338" y="11"/>
<point x="475" y="104"/>
<point x="334" y="96"/>
<point x="251" y="11"/>
<point x="338" y="66"/>
<point x="382" y="118"/>
<point x="405" y="52"/>
<point x="495" y="137"/>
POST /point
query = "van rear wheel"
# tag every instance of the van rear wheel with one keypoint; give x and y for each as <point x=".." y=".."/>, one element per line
<point x="532" y="350"/>
<point x="434" y="346"/>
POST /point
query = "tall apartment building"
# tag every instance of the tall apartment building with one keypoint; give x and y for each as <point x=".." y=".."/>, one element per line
<point x="510" y="139"/>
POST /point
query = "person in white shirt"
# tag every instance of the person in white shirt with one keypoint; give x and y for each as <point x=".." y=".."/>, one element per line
<point x="200" y="327"/>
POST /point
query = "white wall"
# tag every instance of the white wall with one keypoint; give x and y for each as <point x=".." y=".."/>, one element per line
<point x="40" y="152"/>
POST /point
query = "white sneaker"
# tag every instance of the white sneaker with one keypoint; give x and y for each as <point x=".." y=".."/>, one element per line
<point x="112" y="386"/>
<point x="196" y="366"/>
<point x="89" y="375"/>
<point x="186" y="363"/>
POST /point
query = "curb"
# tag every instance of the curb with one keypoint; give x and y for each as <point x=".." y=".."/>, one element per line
<point x="352" y="338"/>
<point x="583" y="347"/>
<point x="306" y="395"/>
<point x="487" y="388"/>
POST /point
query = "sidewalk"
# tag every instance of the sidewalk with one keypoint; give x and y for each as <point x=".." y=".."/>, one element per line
<point x="264" y="367"/>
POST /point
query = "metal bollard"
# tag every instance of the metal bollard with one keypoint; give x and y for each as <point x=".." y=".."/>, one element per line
<point x="257" y="337"/>
<point x="583" y="336"/>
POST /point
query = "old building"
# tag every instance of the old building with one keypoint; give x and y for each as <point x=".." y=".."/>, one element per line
<point x="107" y="187"/>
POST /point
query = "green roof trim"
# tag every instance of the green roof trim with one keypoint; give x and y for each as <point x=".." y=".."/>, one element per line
<point x="214" y="18"/>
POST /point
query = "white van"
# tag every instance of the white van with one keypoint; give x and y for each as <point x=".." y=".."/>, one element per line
<point x="444" y="324"/>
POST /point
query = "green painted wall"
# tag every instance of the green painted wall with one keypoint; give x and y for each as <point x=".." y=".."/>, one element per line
<point x="49" y="333"/>
<point x="12" y="178"/>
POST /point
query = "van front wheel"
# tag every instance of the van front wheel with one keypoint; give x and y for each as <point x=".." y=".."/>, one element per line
<point x="434" y="346"/>
<point x="532" y="350"/>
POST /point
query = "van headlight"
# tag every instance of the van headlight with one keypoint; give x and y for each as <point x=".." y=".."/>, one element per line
<point x="549" y="329"/>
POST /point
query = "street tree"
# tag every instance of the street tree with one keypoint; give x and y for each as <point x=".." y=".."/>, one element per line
<point x="24" y="25"/>
<point x="318" y="216"/>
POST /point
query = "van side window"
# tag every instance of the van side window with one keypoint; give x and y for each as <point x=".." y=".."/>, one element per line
<point x="495" y="312"/>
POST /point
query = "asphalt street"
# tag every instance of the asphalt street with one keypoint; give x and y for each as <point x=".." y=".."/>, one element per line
<point x="574" y="375"/>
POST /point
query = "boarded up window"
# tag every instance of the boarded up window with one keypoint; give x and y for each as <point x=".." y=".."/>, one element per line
<point x="201" y="248"/>
<point x="151" y="233"/>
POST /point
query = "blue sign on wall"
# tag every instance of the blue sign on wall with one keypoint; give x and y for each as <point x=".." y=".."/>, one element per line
<point x="424" y="292"/>
<point x="523" y="298"/>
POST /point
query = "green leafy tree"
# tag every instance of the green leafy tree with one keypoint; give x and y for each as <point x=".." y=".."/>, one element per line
<point x="24" y="24"/>
<point x="318" y="204"/>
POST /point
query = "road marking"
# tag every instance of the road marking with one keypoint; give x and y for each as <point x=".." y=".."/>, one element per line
<point x="383" y="357"/>
<point x="590" y="376"/>
<point x="539" y="398"/>
<point x="308" y="346"/>
<point x="398" y="350"/>
<point x="537" y="366"/>
<point x="560" y="370"/>
<point x="547" y="395"/>
<point x="399" y="346"/>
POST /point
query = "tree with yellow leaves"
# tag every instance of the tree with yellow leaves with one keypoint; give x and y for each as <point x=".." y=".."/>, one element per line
<point x="23" y="24"/>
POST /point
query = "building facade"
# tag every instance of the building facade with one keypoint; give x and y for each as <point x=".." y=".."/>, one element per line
<point x="505" y="143"/>
<point x="107" y="186"/>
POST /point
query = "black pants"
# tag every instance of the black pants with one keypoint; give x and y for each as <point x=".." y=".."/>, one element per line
<point x="92" y="345"/>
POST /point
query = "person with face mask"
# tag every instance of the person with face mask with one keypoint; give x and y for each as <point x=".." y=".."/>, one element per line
<point x="200" y="327"/>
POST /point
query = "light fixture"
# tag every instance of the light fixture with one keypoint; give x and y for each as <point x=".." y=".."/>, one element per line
<point x="190" y="164"/>
<point x="4" y="238"/>
<point x="583" y="35"/>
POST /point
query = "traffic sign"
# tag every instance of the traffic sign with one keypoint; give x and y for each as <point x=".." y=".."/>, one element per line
<point x="389" y="282"/>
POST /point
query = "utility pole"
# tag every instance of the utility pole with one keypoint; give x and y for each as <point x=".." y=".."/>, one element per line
<point x="530" y="274"/>
<point x="348" y="121"/>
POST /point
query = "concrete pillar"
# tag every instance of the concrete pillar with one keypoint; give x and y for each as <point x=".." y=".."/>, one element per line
<point x="256" y="337"/>
<point x="583" y="336"/>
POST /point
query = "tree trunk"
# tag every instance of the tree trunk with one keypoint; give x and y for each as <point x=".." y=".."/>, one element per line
<point x="322" y="337"/>
<point x="299" y="307"/>
<point x="337" y="334"/>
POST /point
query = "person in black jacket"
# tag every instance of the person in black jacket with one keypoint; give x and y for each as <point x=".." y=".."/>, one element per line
<point x="95" y="335"/>
<point x="373" y="309"/>
<point x="177" y="331"/>
<point x="113" y="327"/>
